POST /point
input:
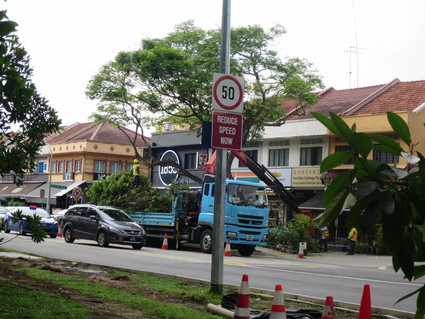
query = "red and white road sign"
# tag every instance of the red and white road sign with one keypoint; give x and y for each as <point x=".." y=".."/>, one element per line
<point x="226" y="130"/>
<point x="227" y="93"/>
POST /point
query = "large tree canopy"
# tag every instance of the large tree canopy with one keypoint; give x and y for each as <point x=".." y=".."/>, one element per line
<point x="172" y="78"/>
<point x="25" y="116"/>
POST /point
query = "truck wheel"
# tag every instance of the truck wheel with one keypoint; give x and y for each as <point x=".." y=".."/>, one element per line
<point x="246" y="250"/>
<point x="206" y="241"/>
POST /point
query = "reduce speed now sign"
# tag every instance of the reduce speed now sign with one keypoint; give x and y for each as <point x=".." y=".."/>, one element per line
<point x="227" y="93"/>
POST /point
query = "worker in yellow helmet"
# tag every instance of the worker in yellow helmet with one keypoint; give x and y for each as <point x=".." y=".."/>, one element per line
<point x="137" y="172"/>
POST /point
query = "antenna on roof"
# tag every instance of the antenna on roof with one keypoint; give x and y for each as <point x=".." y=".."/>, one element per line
<point x="354" y="49"/>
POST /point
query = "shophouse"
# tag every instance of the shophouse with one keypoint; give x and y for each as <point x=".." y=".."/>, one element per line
<point x="73" y="160"/>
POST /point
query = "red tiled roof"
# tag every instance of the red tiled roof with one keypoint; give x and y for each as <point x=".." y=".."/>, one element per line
<point x="102" y="133"/>
<point x="404" y="96"/>
<point x="338" y="101"/>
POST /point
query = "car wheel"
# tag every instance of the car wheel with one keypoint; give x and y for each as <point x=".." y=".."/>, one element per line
<point x="67" y="235"/>
<point x="6" y="228"/>
<point x="21" y="230"/>
<point x="206" y="241"/>
<point x="101" y="239"/>
<point x="137" y="246"/>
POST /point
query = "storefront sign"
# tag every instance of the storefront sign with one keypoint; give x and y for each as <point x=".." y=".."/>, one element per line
<point x="306" y="177"/>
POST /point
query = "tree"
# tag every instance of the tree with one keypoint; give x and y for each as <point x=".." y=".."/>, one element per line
<point x="173" y="77"/>
<point x="25" y="116"/>
<point x="120" y="191"/>
<point x="383" y="194"/>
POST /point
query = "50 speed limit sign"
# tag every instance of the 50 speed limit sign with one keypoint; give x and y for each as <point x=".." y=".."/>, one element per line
<point x="227" y="93"/>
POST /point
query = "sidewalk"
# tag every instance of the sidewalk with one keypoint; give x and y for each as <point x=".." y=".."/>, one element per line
<point x="335" y="258"/>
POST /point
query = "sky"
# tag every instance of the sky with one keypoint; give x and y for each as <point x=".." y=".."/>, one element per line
<point x="351" y="43"/>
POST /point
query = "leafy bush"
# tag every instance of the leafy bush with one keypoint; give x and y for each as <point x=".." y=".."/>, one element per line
<point x="283" y="239"/>
<point x="119" y="190"/>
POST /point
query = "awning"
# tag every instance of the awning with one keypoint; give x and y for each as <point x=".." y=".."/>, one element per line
<point x="11" y="190"/>
<point x="316" y="202"/>
<point x="57" y="189"/>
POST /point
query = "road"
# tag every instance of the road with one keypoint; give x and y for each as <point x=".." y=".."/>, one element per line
<point x="334" y="274"/>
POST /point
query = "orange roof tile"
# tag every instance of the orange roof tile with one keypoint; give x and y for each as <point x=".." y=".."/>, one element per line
<point x="404" y="96"/>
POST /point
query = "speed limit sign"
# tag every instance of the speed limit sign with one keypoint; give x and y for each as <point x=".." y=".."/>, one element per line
<point x="227" y="93"/>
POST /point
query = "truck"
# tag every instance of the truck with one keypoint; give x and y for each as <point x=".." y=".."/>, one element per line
<point x="192" y="215"/>
<point x="246" y="211"/>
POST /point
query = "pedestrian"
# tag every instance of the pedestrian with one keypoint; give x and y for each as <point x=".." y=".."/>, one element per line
<point x="352" y="239"/>
<point x="137" y="172"/>
<point x="324" y="238"/>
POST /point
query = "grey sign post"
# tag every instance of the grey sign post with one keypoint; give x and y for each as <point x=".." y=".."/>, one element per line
<point x="221" y="161"/>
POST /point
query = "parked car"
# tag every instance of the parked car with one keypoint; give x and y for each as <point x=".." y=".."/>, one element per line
<point x="47" y="222"/>
<point x="103" y="224"/>
<point x="59" y="215"/>
<point x="3" y="212"/>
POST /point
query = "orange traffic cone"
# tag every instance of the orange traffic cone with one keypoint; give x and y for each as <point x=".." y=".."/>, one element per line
<point x="227" y="250"/>
<point x="242" y="305"/>
<point x="329" y="309"/>
<point x="365" y="311"/>
<point x="278" y="307"/>
<point x="165" y="242"/>
<point x="60" y="230"/>
<point x="301" y="252"/>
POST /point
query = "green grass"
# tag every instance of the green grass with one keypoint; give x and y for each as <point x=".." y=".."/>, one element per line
<point x="149" y="306"/>
<point x="21" y="303"/>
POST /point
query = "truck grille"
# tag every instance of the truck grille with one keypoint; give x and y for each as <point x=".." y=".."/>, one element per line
<point x="250" y="220"/>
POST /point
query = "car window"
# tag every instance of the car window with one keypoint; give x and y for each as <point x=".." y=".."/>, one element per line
<point x="31" y="211"/>
<point x="114" y="214"/>
<point x="3" y="210"/>
<point x="90" y="212"/>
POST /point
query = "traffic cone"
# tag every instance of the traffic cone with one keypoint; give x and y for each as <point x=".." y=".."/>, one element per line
<point x="227" y="250"/>
<point x="278" y="307"/>
<point x="365" y="311"/>
<point x="329" y="309"/>
<point x="301" y="252"/>
<point x="165" y="242"/>
<point x="242" y="305"/>
<point x="60" y="230"/>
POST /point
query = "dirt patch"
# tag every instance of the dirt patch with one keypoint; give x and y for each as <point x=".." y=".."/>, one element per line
<point x="96" y="274"/>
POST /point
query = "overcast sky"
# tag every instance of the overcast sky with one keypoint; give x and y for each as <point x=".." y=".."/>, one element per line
<point x="69" y="41"/>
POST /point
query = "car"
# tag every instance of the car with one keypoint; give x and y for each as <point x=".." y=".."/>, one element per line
<point x="104" y="224"/>
<point x="3" y="212"/>
<point x="47" y="222"/>
<point x="59" y="215"/>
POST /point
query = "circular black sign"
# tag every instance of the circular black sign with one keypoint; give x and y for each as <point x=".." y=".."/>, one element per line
<point x="168" y="173"/>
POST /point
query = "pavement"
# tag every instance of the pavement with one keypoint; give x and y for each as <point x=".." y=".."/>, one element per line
<point x="339" y="258"/>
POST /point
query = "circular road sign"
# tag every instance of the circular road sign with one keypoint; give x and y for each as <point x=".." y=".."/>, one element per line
<point x="77" y="192"/>
<point x="227" y="93"/>
<point x="168" y="173"/>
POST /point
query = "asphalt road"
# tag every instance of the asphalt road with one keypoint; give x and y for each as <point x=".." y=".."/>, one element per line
<point x="333" y="274"/>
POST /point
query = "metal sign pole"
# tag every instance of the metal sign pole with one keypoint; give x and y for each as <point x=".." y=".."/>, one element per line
<point x="221" y="162"/>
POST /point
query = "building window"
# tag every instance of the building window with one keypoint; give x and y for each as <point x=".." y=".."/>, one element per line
<point x="100" y="167"/>
<point x="115" y="167"/>
<point x="279" y="157"/>
<point x="344" y="148"/>
<point x="77" y="165"/>
<point x="253" y="154"/>
<point x="68" y="166"/>
<point x="311" y="156"/>
<point x="53" y="167"/>
<point x="190" y="161"/>
<point x="385" y="157"/>
<point x="129" y="166"/>
<point x="60" y="166"/>
<point x="42" y="167"/>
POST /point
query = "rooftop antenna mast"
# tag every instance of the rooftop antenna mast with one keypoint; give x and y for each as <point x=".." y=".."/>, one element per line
<point x="354" y="49"/>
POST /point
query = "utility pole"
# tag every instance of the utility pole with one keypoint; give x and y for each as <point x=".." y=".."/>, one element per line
<point x="221" y="167"/>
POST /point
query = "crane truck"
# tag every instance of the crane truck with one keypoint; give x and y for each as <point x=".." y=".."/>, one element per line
<point x="191" y="217"/>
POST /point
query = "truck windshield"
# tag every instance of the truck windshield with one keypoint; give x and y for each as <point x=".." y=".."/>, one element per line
<point x="247" y="195"/>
